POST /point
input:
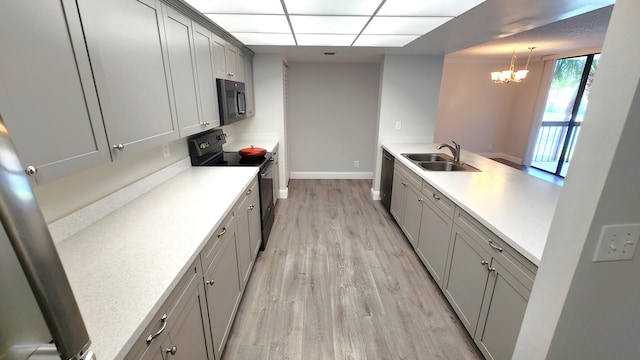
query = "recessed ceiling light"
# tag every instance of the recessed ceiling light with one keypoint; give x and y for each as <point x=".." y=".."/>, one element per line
<point x="252" y="23"/>
<point x="385" y="40"/>
<point x="332" y="7"/>
<point x="324" y="39"/>
<point x="265" y="39"/>
<point x="238" y="7"/>
<point x="426" y="8"/>
<point x="390" y="25"/>
<point x="307" y="24"/>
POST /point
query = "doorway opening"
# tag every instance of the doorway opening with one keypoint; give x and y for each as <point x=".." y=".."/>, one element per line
<point x="563" y="113"/>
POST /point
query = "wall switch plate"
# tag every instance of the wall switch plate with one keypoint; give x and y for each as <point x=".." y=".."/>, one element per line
<point x="398" y="125"/>
<point x="165" y="150"/>
<point x="617" y="242"/>
<point x="356" y="164"/>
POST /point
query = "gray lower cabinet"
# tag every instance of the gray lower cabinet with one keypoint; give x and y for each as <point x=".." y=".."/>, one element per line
<point x="179" y="330"/>
<point x="125" y="41"/>
<point x="488" y="284"/>
<point x="47" y="94"/>
<point x="406" y="202"/>
<point x="435" y="232"/>
<point x="222" y="286"/>
<point x="276" y="172"/>
<point x="247" y="212"/>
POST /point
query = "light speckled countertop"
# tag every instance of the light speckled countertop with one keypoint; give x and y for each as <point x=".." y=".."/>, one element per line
<point x="514" y="205"/>
<point x="124" y="266"/>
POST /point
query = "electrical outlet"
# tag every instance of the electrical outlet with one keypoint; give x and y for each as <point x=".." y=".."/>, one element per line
<point x="398" y="125"/>
<point x="356" y="164"/>
<point x="165" y="150"/>
<point x="617" y="242"/>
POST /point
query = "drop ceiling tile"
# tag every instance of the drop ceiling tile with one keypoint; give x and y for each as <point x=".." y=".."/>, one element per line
<point x="385" y="40"/>
<point x="324" y="39"/>
<point x="238" y="7"/>
<point x="328" y="24"/>
<point x="252" y="23"/>
<point x="265" y="39"/>
<point x="332" y="7"/>
<point x="388" y="25"/>
<point x="427" y="8"/>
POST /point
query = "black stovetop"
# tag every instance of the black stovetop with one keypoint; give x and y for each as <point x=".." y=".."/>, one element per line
<point x="234" y="159"/>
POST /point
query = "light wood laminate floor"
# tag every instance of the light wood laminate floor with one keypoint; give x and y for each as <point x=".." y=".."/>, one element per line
<point x="338" y="280"/>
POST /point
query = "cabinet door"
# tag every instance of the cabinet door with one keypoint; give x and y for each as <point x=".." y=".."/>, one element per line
<point x="223" y="291"/>
<point x="231" y="53"/>
<point x="128" y="60"/>
<point x="466" y="279"/>
<point x="241" y="68"/>
<point x="503" y="309"/>
<point x="243" y="243"/>
<point x="399" y="191"/>
<point x="47" y="94"/>
<point x="433" y="243"/>
<point x="183" y="75"/>
<point x="204" y="43"/>
<point x="412" y="215"/>
<point x="220" y="58"/>
<point x="248" y="86"/>
<point x="187" y="335"/>
<point x="255" y="229"/>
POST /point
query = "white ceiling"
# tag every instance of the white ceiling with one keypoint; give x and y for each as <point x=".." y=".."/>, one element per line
<point x="490" y="30"/>
<point x="383" y="23"/>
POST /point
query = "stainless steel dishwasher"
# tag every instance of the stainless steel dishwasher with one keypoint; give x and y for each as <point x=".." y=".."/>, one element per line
<point x="386" y="178"/>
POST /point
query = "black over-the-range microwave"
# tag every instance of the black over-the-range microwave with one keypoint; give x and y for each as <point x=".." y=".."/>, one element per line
<point x="232" y="102"/>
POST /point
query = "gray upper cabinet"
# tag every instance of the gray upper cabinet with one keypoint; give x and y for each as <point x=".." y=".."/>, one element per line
<point x="47" y="94"/>
<point x="182" y="63"/>
<point x="205" y="67"/>
<point x="131" y="71"/>
<point x="220" y="57"/>
<point x="248" y="85"/>
<point x="231" y="53"/>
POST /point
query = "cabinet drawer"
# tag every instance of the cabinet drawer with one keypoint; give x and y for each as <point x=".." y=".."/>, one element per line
<point x="442" y="202"/>
<point x="498" y="248"/>
<point x="244" y="200"/>
<point x="153" y="330"/>
<point x="210" y="250"/>
<point x="411" y="177"/>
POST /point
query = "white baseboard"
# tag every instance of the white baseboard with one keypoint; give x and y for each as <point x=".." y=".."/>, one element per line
<point x="375" y="194"/>
<point x="330" y="175"/>
<point x="502" y="156"/>
<point x="284" y="193"/>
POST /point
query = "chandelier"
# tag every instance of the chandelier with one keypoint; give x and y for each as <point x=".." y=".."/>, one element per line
<point x="512" y="75"/>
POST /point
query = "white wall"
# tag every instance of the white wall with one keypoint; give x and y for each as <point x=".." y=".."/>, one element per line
<point x="409" y="90"/>
<point x="269" y="113"/>
<point x="62" y="197"/>
<point x="579" y="309"/>
<point x="484" y="117"/>
<point x="332" y="119"/>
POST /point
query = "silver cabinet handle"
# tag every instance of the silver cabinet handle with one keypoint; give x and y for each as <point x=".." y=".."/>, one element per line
<point x="31" y="170"/>
<point x="163" y="320"/>
<point x="230" y="74"/>
<point x="251" y="207"/>
<point x="436" y="197"/>
<point x="496" y="247"/>
<point x="249" y="191"/>
<point x="210" y="282"/>
<point x="419" y="200"/>
<point x="491" y="269"/>
<point x="484" y="262"/>
<point x="224" y="231"/>
<point x="172" y="350"/>
<point x="118" y="147"/>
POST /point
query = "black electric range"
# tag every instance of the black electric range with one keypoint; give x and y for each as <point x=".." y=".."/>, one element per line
<point x="205" y="149"/>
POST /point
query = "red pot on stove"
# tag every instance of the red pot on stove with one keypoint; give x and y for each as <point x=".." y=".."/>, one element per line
<point x="252" y="152"/>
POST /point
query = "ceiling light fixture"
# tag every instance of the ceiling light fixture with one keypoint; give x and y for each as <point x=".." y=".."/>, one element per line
<point x="511" y="75"/>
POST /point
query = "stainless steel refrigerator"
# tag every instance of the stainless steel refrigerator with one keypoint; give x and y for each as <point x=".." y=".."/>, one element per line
<point x="39" y="316"/>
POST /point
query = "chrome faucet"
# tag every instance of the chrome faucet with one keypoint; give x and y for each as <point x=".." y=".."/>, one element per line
<point x="454" y="151"/>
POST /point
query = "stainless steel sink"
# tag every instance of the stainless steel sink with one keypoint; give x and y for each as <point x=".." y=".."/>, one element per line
<point x="445" y="166"/>
<point x="428" y="157"/>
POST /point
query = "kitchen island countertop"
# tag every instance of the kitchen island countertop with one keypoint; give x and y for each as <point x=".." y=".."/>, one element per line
<point x="514" y="205"/>
<point x="124" y="266"/>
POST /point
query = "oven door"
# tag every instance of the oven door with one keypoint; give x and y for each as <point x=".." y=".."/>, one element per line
<point x="266" y="199"/>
